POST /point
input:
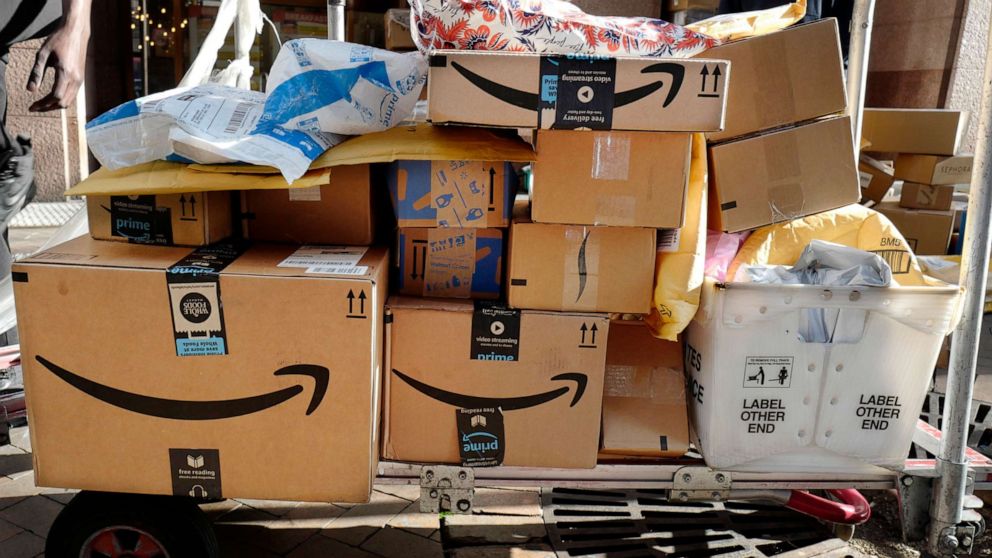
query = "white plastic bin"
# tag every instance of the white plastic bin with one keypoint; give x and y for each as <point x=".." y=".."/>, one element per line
<point x="761" y="399"/>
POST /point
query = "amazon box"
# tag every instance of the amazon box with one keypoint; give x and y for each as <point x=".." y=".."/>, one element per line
<point x="189" y="219"/>
<point x="634" y="179"/>
<point x="644" y="409"/>
<point x="574" y="268"/>
<point x="928" y="233"/>
<point x="923" y="131"/>
<point x="576" y="92"/>
<point x="925" y="196"/>
<point x="221" y="372"/>
<point x="336" y="213"/>
<point x="782" y="175"/>
<point x="483" y="385"/>
<point x="934" y="169"/>
<point x="451" y="263"/>
<point x="876" y="179"/>
<point x="463" y="194"/>
<point x="782" y="78"/>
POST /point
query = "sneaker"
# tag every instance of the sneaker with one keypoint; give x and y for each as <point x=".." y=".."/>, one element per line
<point x="17" y="186"/>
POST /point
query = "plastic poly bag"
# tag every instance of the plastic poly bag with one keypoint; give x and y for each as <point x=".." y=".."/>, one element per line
<point x="546" y="26"/>
<point x="854" y="225"/>
<point x="750" y="24"/>
<point x="317" y="90"/>
<point x="678" y="274"/>
<point x="721" y="248"/>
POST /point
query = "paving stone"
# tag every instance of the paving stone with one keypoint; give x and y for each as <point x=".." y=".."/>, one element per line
<point x="362" y="520"/>
<point x="277" y="508"/>
<point x="402" y="544"/>
<point x="312" y="515"/>
<point x="239" y="548"/>
<point x="536" y="551"/>
<point x="323" y="547"/>
<point x="436" y="536"/>
<point x="411" y="519"/>
<point x="498" y="501"/>
<point x="8" y="530"/>
<point x="20" y="438"/>
<point x="22" y="545"/>
<point x="12" y="463"/>
<point x="262" y="529"/>
<point x="13" y="490"/>
<point x="492" y="529"/>
<point x="63" y="497"/>
<point x="409" y="492"/>
<point x="34" y="514"/>
<point x="217" y="510"/>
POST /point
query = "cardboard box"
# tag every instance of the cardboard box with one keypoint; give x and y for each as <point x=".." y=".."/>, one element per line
<point x="579" y="268"/>
<point x="924" y="131"/>
<point x="336" y="213"/>
<point x="633" y="179"/>
<point x="876" y="179"/>
<point x="933" y="169"/>
<point x="644" y="405"/>
<point x="451" y="263"/>
<point x="782" y="175"/>
<point x="781" y="78"/>
<point x="925" y="196"/>
<point x="621" y="8"/>
<point x="398" y="35"/>
<point x="464" y="194"/>
<point x="484" y="385"/>
<point x="927" y="232"/>
<point x="190" y="219"/>
<point x="682" y="5"/>
<point x="217" y="372"/>
<point x="571" y="92"/>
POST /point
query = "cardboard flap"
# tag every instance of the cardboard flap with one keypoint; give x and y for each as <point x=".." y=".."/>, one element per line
<point x="162" y="177"/>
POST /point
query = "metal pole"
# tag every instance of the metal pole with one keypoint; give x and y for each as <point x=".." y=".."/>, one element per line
<point x="952" y="468"/>
<point x="857" y="65"/>
<point x="335" y="20"/>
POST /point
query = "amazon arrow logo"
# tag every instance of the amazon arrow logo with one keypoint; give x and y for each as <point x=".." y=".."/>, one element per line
<point x="505" y="403"/>
<point x="199" y="410"/>
<point x="531" y="101"/>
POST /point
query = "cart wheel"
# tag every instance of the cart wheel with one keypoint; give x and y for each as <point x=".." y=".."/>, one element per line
<point x="109" y="525"/>
<point x="843" y="532"/>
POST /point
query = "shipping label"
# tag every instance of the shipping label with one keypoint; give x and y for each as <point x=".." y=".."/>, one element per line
<point x="328" y="260"/>
<point x="768" y="372"/>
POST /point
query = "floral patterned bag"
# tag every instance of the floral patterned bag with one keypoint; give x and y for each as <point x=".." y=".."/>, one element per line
<point x="546" y="26"/>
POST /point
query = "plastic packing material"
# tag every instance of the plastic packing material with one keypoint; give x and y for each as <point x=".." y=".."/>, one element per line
<point x="721" y="248"/>
<point x="318" y="91"/>
<point x="749" y="24"/>
<point x="679" y="264"/>
<point x="833" y="265"/>
<point x="546" y="27"/>
<point x="853" y="225"/>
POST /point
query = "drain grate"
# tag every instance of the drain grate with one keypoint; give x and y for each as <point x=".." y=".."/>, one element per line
<point x="642" y="523"/>
<point x="979" y="427"/>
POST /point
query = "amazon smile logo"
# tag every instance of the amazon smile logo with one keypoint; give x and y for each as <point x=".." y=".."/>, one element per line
<point x="178" y="409"/>
<point x="462" y="401"/>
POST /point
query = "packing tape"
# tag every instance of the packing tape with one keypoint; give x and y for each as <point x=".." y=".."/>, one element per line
<point x="615" y="210"/>
<point x="460" y="192"/>
<point x="776" y="95"/>
<point x="450" y="262"/>
<point x="659" y="384"/>
<point x="610" y="156"/>
<point x="783" y="168"/>
<point x="580" y="278"/>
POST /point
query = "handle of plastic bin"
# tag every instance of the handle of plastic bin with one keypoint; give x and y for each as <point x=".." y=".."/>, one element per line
<point x="853" y="508"/>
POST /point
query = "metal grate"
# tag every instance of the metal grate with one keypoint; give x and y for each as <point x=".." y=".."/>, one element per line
<point x="979" y="427"/>
<point x="642" y="523"/>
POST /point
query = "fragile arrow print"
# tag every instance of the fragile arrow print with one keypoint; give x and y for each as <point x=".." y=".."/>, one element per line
<point x="463" y="401"/>
<point x="178" y="409"/>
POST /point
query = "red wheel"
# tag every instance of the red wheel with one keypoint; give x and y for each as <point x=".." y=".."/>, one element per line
<point x="123" y="541"/>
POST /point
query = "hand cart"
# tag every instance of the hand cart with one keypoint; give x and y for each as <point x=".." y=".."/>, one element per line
<point x="96" y="524"/>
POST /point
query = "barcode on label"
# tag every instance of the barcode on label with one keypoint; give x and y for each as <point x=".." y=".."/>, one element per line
<point x="898" y="260"/>
<point x="339" y="269"/>
<point x="238" y="117"/>
<point x="668" y="240"/>
<point x="150" y="106"/>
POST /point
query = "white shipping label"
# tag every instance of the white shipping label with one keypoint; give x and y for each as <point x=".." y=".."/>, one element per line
<point x="669" y="239"/>
<point x="865" y="178"/>
<point x="305" y="194"/>
<point x="325" y="256"/>
<point x="355" y="270"/>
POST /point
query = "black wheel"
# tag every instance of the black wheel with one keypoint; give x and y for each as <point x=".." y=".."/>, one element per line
<point x="109" y="525"/>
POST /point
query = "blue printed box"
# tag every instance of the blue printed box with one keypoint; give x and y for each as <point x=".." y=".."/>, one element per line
<point x="462" y="194"/>
<point x="451" y="262"/>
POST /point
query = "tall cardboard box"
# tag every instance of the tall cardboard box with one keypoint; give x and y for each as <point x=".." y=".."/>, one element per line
<point x="934" y="169"/>
<point x="926" y="196"/>
<point x="573" y="268"/>
<point x="632" y="179"/>
<point x="644" y="404"/>
<point x="463" y="194"/>
<point x="340" y="212"/>
<point x="451" y="263"/>
<point x="927" y="232"/>
<point x="484" y="385"/>
<point x="217" y="373"/>
<point x="782" y="175"/>
<point x="576" y="92"/>
<point x="923" y="131"/>
<point x="781" y="78"/>
<point x="876" y="179"/>
<point x="188" y="219"/>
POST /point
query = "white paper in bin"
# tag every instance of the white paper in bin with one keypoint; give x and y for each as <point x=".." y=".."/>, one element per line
<point x="837" y="407"/>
